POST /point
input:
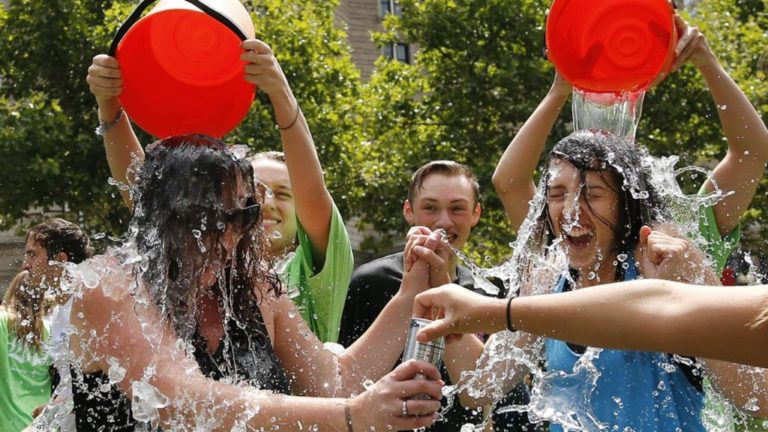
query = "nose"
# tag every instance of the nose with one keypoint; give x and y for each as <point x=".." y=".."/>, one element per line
<point x="26" y="265"/>
<point x="269" y="199"/>
<point x="444" y="220"/>
<point x="572" y="207"/>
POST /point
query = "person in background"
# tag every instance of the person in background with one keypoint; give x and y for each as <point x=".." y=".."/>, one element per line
<point x="25" y="381"/>
<point x="443" y="195"/>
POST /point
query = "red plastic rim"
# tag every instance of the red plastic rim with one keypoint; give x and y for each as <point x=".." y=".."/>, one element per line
<point x="182" y="73"/>
<point x="611" y="45"/>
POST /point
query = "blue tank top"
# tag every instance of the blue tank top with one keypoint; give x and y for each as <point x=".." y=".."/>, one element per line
<point x="639" y="391"/>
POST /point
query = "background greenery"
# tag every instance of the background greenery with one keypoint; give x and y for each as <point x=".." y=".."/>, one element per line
<point x="478" y="73"/>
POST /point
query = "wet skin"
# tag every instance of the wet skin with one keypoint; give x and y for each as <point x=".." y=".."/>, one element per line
<point x="279" y="208"/>
<point x="585" y="229"/>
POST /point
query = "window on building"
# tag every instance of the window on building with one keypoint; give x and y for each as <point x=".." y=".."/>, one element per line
<point x="398" y="51"/>
<point x="390" y="7"/>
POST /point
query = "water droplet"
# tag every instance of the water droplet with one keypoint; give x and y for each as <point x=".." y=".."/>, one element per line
<point x="622" y="257"/>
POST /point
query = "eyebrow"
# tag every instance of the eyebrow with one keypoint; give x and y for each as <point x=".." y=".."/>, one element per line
<point x="454" y="201"/>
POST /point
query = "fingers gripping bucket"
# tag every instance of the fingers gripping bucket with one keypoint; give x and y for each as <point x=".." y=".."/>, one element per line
<point x="181" y="66"/>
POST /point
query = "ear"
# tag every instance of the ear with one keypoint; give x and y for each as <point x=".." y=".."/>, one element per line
<point x="408" y="213"/>
<point x="476" y="212"/>
<point x="61" y="257"/>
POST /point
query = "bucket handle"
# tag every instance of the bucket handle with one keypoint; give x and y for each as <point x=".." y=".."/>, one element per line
<point x="136" y="14"/>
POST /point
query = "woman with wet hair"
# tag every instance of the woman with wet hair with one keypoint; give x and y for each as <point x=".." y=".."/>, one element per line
<point x="597" y="216"/>
<point x="301" y="220"/>
<point x="25" y="381"/>
<point x="186" y="326"/>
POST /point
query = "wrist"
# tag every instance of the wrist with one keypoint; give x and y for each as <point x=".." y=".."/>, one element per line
<point x="108" y="109"/>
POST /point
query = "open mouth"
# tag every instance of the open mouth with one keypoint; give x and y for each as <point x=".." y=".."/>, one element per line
<point x="268" y="223"/>
<point x="579" y="239"/>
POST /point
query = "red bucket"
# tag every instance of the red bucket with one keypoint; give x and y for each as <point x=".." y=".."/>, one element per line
<point x="181" y="67"/>
<point x="614" y="46"/>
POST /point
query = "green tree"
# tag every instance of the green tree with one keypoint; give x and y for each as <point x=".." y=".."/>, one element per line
<point x="49" y="155"/>
<point x="480" y="71"/>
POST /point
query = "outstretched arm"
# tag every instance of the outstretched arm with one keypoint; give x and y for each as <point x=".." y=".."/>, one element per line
<point x="111" y="323"/>
<point x="513" y="178"/>
<point x="106" y="83"/>
<point x="646" y="315"/>
<point x="313" y="201"/>
<point x="742" y="167"/>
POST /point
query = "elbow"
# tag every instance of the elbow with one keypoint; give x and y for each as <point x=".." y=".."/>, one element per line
<point x="499" y="182"/>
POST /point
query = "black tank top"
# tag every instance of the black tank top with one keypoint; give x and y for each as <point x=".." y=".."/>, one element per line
<point x="247" y="357"/>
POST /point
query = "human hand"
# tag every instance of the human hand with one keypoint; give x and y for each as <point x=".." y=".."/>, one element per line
<point x="667" y="255"/>
<point x="691" y="46"/>
<point x="104" y="78"/>
<point x="461" y="311"/>
<point x="262" y="69"/>
<point x="391" y="403"/>
<point x="420" y="241"/>
<point x="561" y="86"/>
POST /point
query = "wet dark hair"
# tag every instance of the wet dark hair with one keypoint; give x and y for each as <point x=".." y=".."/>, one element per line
<point x="599" y="151"/>
<point x="180" y="219"/>
<point x="58" y="235"/>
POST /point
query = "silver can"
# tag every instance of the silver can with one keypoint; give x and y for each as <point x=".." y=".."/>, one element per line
<point x="430" y="352"/>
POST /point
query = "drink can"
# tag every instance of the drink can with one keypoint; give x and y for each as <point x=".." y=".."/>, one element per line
<point x="430" y="352"/>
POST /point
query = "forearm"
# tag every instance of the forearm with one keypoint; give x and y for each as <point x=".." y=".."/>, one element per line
<point x="198" y="402"/>
<point x="513" y="178"/>
<point x="121" y="145"/>
<point x="374" y="354"/>
<point x="313" y="201"/>
<point x="742" y="125"/>
<point x="652" y="315"/>
<point x="461" y="356"/>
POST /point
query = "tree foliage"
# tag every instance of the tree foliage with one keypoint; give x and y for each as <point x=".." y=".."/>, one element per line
<point x="480" y="71"/>
<point x="49" y="155"/>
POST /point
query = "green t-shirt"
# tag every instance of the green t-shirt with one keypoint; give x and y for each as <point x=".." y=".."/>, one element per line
<point x="25" y="382"/>
<point x="718" y="247"/>
<point x="321" y="296"/>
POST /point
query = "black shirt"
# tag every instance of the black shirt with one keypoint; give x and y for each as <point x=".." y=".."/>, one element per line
<point x="372" y="286"/>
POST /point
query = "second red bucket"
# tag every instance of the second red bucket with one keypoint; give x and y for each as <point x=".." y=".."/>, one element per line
<point x="611" y="45"/>
<point x="181" y="67"/>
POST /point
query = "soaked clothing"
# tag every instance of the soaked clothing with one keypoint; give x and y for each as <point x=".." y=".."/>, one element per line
<point x="102" y="407"/>
<point x="373" y="286"/>
<point x="25" y="382"/>
<point x="320" y="293"/>
<point x="640" y="391"/>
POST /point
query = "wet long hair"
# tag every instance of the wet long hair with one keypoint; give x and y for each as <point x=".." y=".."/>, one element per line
<point x="180" y="219"/>
<point x="601" y="152"/>
<point x="25" y="305"/>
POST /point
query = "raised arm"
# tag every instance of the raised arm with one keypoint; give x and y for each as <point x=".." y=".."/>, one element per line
<point x="743" y="166"/>
<point x="313" y="201"/>
<point x="513" y="178"/>
<point x="120" y="142"/>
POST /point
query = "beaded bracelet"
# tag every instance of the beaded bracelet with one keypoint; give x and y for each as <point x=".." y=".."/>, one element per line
<point x="104" y="127"/>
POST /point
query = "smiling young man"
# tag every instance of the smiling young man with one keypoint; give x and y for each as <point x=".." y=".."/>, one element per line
<point x="442" y="195"/>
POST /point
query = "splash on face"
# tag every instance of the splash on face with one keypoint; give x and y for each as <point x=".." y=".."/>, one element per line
<point x="583" y="211"/>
